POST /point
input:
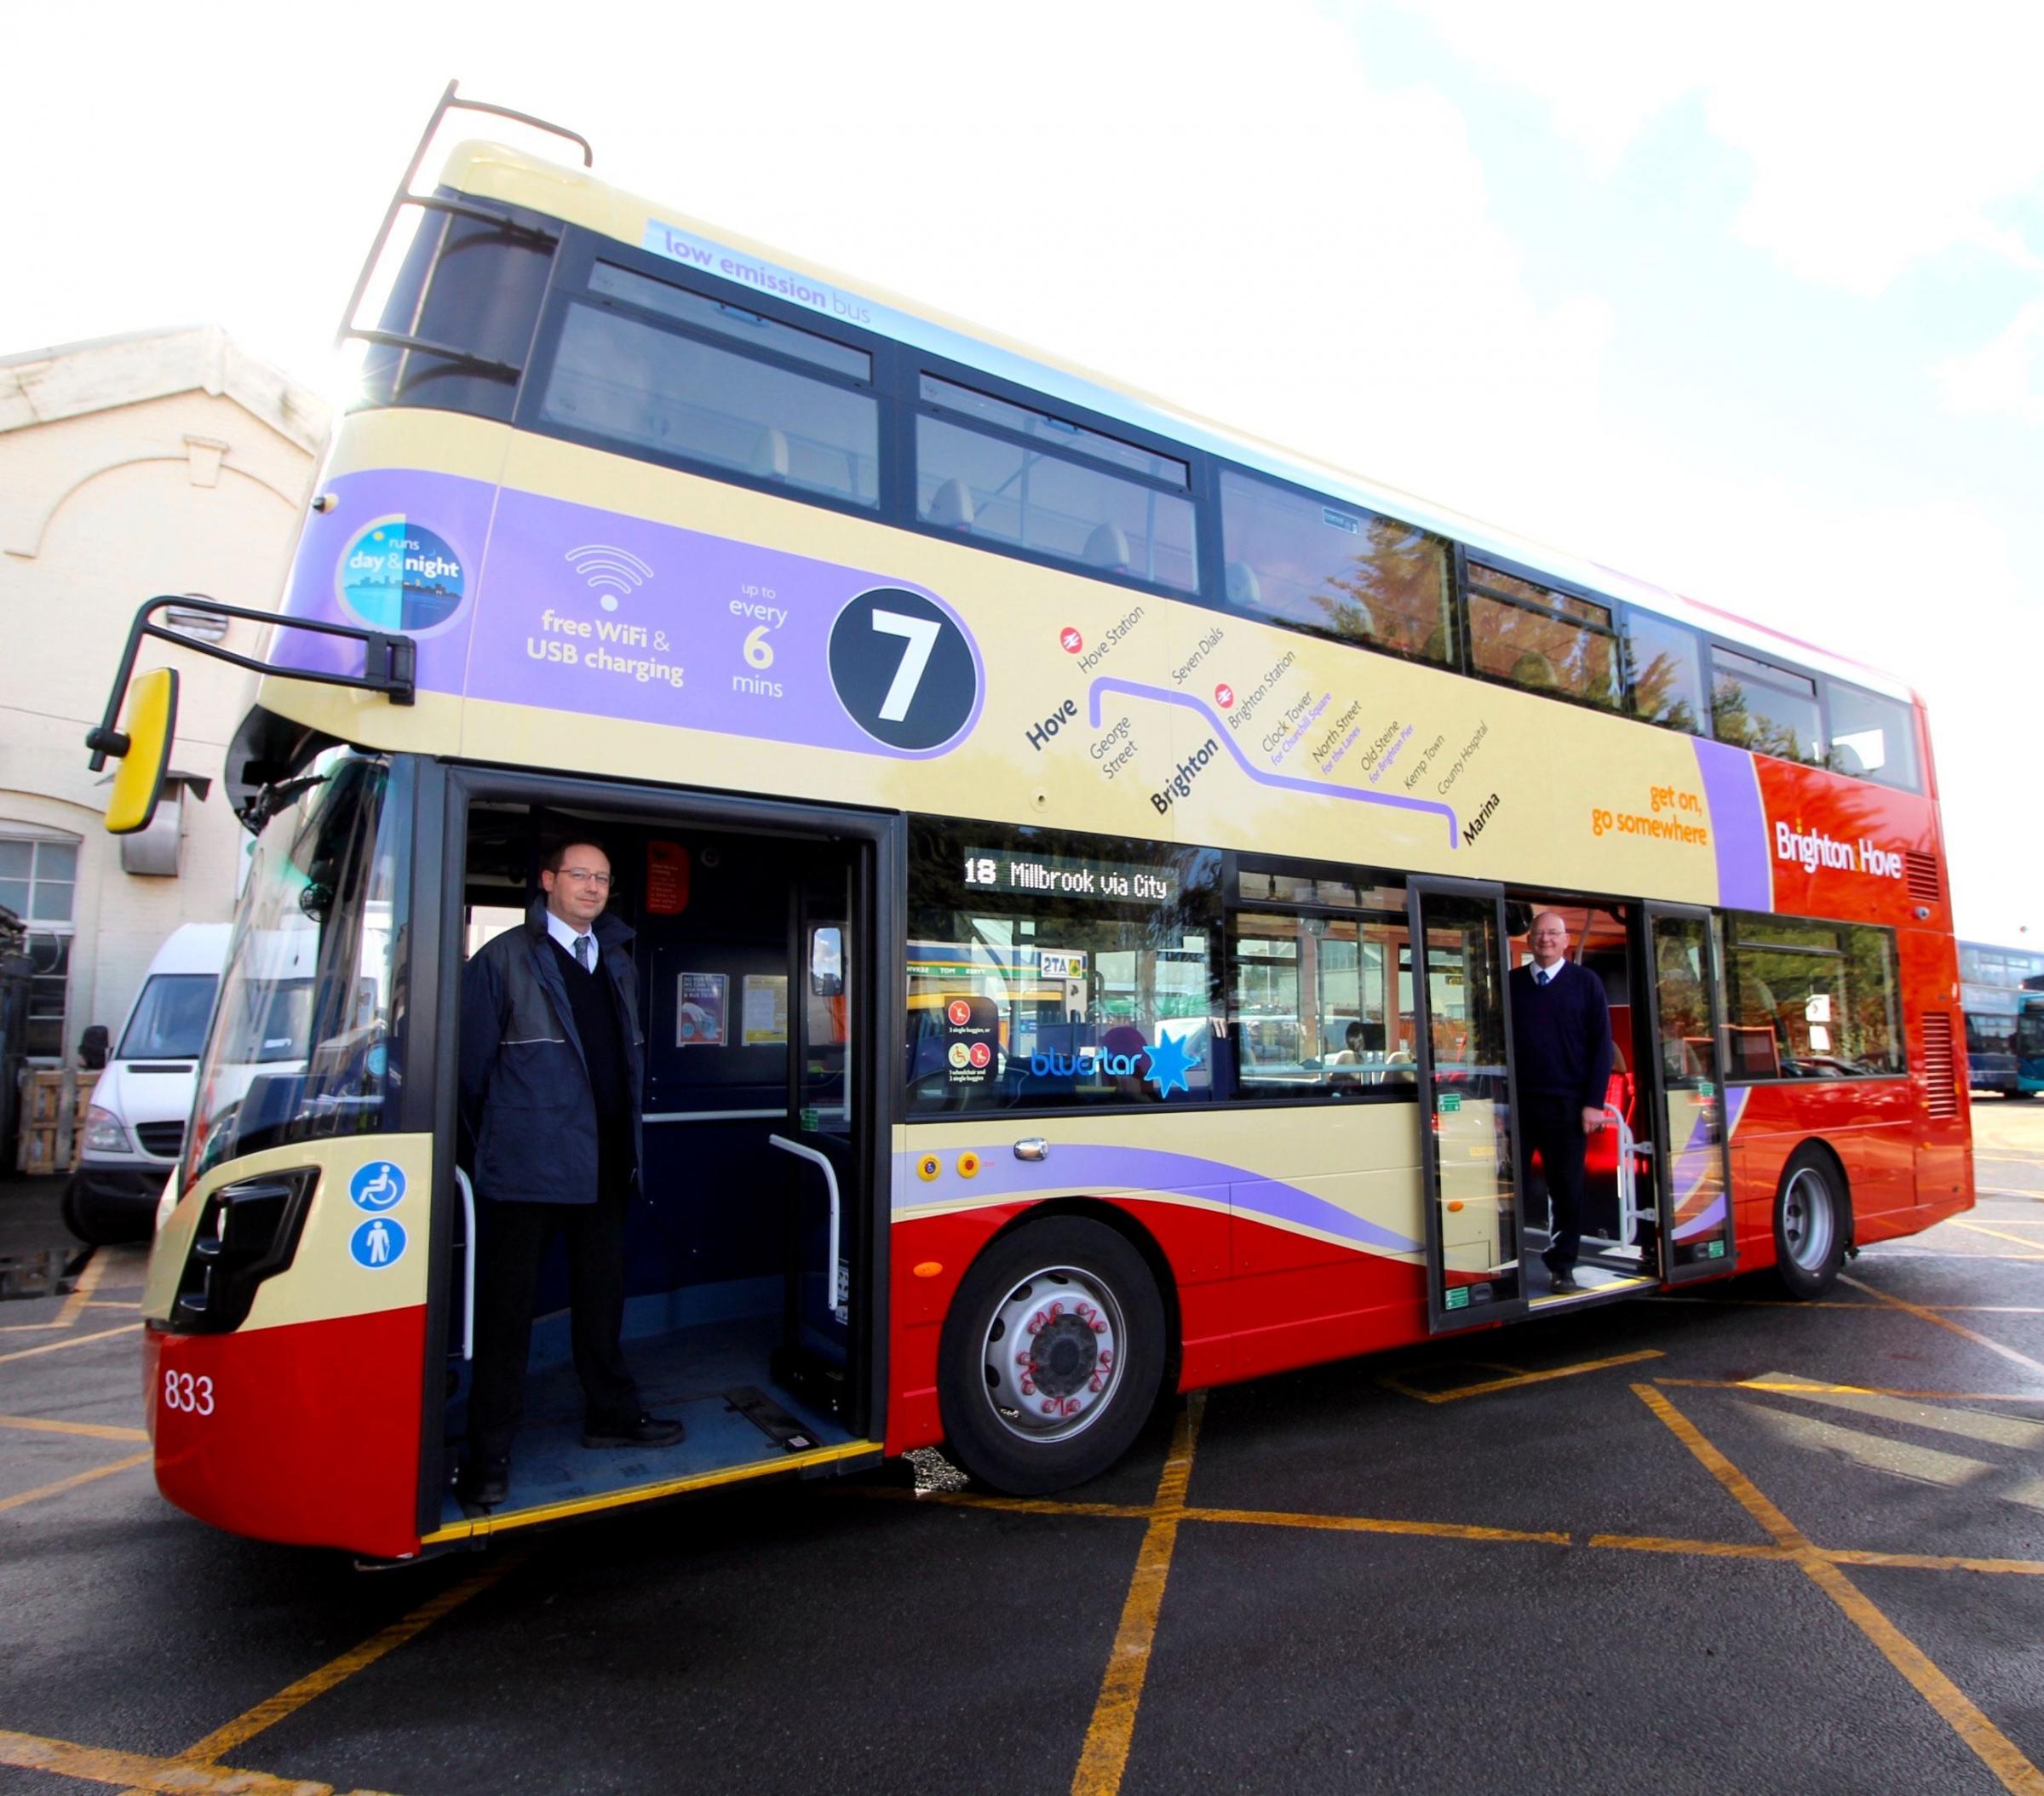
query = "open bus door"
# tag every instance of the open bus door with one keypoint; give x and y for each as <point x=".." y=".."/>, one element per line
<point x="1468" y="1159"/>
<point x="1691" y="1146"/>
<point x="755" y="1236"/>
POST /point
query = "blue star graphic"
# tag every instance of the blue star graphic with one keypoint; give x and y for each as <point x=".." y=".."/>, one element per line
<point x="1169" y="1063"/>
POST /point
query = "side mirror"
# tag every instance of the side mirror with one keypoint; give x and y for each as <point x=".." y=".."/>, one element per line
<point x="144" y="747"/>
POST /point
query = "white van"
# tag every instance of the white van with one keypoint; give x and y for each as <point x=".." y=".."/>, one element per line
<point x="136" y="1128"/>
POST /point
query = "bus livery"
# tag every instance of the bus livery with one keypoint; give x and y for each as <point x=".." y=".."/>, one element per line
<point x="1076" y="855"/>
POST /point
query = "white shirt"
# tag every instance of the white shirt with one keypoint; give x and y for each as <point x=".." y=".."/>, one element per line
<point x="567" y="936"/>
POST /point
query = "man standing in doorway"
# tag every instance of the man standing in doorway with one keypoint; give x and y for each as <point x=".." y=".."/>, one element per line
<point x="551" y="1059"/>
<point x="1561" y="1046"/>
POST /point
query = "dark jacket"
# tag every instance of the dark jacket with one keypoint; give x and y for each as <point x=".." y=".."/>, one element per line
<point x="1561" y="1035"/>
<point x="526" y="1098"/>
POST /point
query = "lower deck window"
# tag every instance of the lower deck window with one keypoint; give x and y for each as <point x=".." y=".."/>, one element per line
<point x="1046" y="969"/>
<point x="1811" y="1000"/>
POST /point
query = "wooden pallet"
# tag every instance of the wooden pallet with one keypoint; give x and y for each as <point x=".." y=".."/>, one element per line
<point x="53" y="1103"/>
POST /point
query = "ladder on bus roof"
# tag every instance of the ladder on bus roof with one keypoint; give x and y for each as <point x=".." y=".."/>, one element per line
<point x="488" y="367"/>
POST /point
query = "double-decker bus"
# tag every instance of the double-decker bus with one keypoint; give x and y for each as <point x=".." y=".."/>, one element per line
<point x="2002" y="992"/>
<point x="1076" y="854"/>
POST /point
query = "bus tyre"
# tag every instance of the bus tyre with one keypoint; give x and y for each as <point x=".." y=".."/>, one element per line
<point x="1813" y="1222"/>
<point x="1052" y="1356"/>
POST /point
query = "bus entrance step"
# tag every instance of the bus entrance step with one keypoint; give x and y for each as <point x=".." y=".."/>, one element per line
<point x="769" y="1418"/>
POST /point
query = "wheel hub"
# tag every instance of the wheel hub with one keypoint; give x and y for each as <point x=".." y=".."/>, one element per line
<point x="1052" y="1353"/>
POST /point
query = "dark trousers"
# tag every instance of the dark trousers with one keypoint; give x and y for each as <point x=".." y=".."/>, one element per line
<point x="1553" y="1127"/>
<point x="515" y="1237"/>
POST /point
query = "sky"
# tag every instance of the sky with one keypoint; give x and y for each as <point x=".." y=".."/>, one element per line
<point x="1747" y="300"/>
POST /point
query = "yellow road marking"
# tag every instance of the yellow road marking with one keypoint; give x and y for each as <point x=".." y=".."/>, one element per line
<point x="96" y="1431"/>
<point x="1375" y="1524"/>
<point x="76" y="1340"/>
<point x="1391" y="1382"/>
<point x="1974" y="1228"/>
<point x="1701" y="1549"/>
<point x="1015" y="1506"/>
<point x="72" y="1482"/>
<point x="96" y="1764"/>
<point x="1937" y="1562"/>
<point x="1994" y="1748"/>
<point x="1808" y="1389"/>
<point x="1944" y="1321"/>
<point x="1104" y="1755"/>
<point x="2009" y="1222"/>
<point x="81" y="1293"/>
<point x="1468" y="1531"/>
<point x="294" y="1696"/>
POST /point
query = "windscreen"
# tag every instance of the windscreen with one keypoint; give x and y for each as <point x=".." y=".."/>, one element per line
<point x="312" y="1000"/>
<point x="169" y="1019"/>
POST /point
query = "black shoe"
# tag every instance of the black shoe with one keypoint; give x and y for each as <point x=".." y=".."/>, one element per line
<point x="484" y="1482"/>
<point x="649" y="1431"/>
<point x="1566" y="1282"/>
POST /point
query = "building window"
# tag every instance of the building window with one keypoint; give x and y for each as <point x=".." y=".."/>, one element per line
<point x="38" y="882"/>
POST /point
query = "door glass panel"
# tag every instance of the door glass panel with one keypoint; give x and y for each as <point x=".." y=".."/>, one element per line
<point x="1692" y="1097"/>
<point x="826" y="1034"/>
<point x="1468" y="1104"/>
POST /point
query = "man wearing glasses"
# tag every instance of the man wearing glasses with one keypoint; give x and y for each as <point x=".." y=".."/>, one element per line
<point x="551" y="1069"/>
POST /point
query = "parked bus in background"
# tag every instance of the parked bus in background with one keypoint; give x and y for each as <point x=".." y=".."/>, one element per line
<point x="1076" y="854"/>
<point x="1996" y="988"/>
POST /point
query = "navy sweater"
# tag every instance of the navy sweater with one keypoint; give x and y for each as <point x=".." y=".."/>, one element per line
<point x="1561" y="1035"/>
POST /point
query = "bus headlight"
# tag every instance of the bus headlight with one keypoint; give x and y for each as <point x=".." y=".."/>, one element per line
<point x="246" y="1232"/>
<point x="104" y="1133"/>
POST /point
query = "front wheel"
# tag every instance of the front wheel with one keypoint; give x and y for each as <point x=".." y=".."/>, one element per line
<point x="1813" y="1222"/>
<point x="1052" y="1357"/>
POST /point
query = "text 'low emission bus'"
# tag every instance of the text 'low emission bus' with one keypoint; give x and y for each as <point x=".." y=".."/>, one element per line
<point x="1075" y="856"/>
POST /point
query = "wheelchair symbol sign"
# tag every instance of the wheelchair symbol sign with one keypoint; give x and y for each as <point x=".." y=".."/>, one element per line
<point x="378" y="1186"/>
<point x="379" y="1243"/>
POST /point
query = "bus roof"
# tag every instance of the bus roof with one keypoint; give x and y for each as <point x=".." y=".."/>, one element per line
<point x="493" y="170"/>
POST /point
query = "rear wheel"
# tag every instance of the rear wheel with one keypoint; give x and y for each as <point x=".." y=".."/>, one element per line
<point x="1052" y="1357"/>
<point x="1813" y="1223"/>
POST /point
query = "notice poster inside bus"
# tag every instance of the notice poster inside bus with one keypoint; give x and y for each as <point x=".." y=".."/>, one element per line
<point x="699" y="1013"/>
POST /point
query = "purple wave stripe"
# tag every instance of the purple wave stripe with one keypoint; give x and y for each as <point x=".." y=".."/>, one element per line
<point x="515" y="548"/>
<point x="1112" y="1169"/>
<point x="1288" y="782"/>
<point x="1738" y="826"/>
<point x="1704" y="1157"/>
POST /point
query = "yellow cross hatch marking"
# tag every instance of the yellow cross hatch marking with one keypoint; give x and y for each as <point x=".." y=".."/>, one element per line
<point x="1104" y="1755"/>
<point x="1994" y="1748"/>
<point x="22" y="1498"/>
<point x="1518" y="1380"/>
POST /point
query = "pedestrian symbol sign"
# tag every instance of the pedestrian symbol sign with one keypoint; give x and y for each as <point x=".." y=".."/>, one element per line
<point x="378" y="1186"/>
<point x="379" y="1243"/>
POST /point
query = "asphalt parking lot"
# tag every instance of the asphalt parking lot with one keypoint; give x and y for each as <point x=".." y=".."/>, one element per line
<point x="1714" y="1542"/>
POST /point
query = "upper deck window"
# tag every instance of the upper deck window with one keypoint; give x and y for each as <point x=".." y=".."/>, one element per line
<point x="1873" y="737"/>
<point x="1294" y="558"/>
<point x="1769" y="710"/>
<point x="1666" y="664"/>
<point x="1535" y="636"/>
<point x="1014" y="486"/>
<point x="750" y="328"/>
<point x="1041" y="426"/>
<point x="649" y="387"/>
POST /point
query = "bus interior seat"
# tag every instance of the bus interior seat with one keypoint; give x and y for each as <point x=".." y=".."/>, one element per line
<point x="1534" y="669"/>
<point x="1108" y="547"/>
<point x="1244" y="587"/>
<point x="770" y="454"/>
<point x="951" y="507"/>
<point x="1846" y="759"/>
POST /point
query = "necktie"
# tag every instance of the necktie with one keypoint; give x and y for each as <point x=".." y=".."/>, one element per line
<point x="585" y="952"/>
